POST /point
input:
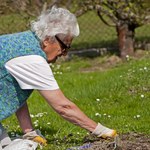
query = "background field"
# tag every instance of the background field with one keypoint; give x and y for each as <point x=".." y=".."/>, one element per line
<point x="118" y="97"/>
<point x="93" y="32"/>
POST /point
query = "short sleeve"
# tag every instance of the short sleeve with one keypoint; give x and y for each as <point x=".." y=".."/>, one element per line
<point x="32" y="72"/>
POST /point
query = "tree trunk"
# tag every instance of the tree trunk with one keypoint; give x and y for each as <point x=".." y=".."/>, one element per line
<point x="126" y="39"/>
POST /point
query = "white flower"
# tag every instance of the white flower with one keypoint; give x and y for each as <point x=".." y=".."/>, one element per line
<point x="137" y="116"/>
<point x="127" y="57"/>
<point x="52" y="65"/>
<point x="36" y="122"/>
<point x="142" y="96"/>
<point x="109" y="116"/>
<point x="145" y="68"/>
<point x="58" y="67"/>
<point x="12" y="133"/>
<point x="39" y="115"/>
<point x="31" y="115"/>
<point x="97" y="99"/>
<point x="97" y="114"/>
<point x="104" y="114"/>
<point x="48" y="123"/>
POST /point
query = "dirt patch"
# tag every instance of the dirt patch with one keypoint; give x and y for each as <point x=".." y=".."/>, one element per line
<point x="103" y="63"/>
<point x="129" y="141"/>
<point x="107" y="62"/>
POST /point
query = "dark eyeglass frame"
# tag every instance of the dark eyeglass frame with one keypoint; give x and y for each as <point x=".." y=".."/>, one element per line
<point x="64" y="47"/>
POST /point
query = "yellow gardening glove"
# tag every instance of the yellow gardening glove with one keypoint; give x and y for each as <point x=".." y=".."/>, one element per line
<point x="36" y="136"/>
<point x="104" y="132"/>
<point x="40" y="140"/>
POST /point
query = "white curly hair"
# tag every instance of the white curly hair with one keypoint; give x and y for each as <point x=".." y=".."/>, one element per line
<point x="55" y="21"/>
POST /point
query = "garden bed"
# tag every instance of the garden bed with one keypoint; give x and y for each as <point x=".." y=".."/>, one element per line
<point x="128" y="141"/>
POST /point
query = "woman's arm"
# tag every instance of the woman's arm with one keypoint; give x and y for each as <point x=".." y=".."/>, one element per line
<point x="24" y="119"/>
<point x="27" y="128"/>
<point x="67" y="109"/>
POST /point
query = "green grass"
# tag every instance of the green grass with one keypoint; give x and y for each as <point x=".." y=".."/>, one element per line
<point x="123" y="92"/>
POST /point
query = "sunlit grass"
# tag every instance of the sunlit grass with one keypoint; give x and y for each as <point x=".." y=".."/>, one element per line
<point x="117" y="97"/>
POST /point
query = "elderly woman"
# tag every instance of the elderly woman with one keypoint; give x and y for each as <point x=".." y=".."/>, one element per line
<point x="24" y="59"/>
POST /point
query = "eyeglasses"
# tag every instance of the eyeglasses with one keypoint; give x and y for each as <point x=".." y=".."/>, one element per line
<point x="63" y="46"/>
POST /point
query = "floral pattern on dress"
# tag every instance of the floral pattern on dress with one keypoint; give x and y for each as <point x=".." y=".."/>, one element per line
<point x="12" y="97"/>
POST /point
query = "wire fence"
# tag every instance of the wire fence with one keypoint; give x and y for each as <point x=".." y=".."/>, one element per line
<point x="93" y="32"/>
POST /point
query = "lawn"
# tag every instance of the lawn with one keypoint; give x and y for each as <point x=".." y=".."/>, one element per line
<point x="118" y="97"/>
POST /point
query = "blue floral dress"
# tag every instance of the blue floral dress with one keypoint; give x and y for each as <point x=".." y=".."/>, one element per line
<point x="12" y="96"/>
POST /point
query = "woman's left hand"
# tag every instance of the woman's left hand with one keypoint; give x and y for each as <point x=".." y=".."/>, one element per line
<point x="36" y="136"/>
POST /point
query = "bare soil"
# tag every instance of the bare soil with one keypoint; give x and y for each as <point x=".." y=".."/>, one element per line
<point x="128" y="141"/>
<point x="113" y="61"/>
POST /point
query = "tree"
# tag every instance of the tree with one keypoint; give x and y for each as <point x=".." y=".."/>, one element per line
<point x="125" y="16"/>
